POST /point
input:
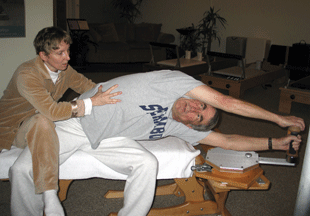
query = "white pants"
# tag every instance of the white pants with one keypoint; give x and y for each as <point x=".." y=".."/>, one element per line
<point x="120" y="154"/>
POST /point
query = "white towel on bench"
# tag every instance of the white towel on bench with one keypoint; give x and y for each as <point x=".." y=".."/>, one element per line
<point x="175" y="158"/>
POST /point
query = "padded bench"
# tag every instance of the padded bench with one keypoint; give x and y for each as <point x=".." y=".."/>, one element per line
<point x="175" y="158"/>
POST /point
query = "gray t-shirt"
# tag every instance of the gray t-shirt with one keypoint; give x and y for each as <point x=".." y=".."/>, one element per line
<point x="144" y="112"/>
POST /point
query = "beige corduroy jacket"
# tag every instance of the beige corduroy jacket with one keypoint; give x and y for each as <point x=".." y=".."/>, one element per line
<point x="30" y="91"/>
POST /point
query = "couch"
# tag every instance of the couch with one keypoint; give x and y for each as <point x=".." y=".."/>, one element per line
<point x="124" y="42"/>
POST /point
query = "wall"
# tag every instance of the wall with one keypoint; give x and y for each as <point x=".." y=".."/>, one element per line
<point x="174" y="14"/>
<point x="282" y="21"/>
<point x="14" y="51"/>
<point x="98" y="11"/>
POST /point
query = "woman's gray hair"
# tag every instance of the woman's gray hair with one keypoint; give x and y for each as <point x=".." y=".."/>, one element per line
<point x="211" y="124"/>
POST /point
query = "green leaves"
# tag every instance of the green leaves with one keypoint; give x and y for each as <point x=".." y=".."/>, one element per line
<point x="207" y="28"/>
<point x="128" y="9"/>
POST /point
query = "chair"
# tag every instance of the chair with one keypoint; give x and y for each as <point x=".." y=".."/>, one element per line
<point x="237" y="79"/>
<point x="228" y="71"/>
<point x="176" y="63"/>
<point x="191" y="66"/>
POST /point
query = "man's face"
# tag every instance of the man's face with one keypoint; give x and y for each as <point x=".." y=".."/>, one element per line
<point x="192" y="111"/>
<point x="57" y="59"/>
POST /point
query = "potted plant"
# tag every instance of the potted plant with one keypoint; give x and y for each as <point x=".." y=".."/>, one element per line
<point x="189" y="39"/>
<point x="79" y="48"/>
<point x="129" y="9"/>
<point x="207" y="29"/>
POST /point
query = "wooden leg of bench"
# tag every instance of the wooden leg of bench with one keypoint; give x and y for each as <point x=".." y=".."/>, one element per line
<point x="187" y="208"/>
<point x="220" y="198"/>
<point x="63" y="189"/>
<point x="193" y="190"/>
<point x="194" y="204"/>
<point x="113" y="194"/>
<point x="169" y="189"/>
<point x="160" y="190"/>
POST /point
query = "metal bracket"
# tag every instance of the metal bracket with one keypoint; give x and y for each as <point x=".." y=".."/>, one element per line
<point x="260" y="181"/>
<point x="202" y="168"/>
<point x="230" y="160"/>
<point x="274" y="161"/>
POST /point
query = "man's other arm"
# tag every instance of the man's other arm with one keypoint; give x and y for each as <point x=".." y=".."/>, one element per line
<point x="245" y="143"/>
<point x="243" y="108"/>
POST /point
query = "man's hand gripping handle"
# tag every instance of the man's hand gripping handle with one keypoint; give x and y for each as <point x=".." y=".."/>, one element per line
<point x="291" y="154"/>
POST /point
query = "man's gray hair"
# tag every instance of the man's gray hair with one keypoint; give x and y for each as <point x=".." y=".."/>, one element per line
<point x="211" y="124"/>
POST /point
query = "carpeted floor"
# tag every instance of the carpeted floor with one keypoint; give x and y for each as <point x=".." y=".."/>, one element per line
<point x="87" y="197"/>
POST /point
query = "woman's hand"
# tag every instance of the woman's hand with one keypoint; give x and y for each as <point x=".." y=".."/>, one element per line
<point x="102" y="98"/>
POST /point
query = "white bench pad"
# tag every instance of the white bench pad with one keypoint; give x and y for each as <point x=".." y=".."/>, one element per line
<point x="175" y="158"/>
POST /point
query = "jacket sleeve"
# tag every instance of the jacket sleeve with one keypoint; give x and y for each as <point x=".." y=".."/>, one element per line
<point x="33" y="88"/>
<point x="79" y="83"/>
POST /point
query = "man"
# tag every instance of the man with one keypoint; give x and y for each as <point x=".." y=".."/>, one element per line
<point x="154" y="105"/>
<point x="30" y="105"/>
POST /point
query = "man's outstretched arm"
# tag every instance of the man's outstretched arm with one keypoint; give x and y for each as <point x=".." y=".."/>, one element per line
<point x="245" y="143"/>
<point x="243" y="108"/>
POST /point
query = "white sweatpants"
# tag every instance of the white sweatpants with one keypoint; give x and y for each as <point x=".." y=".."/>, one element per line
<point x="120" y="154"/>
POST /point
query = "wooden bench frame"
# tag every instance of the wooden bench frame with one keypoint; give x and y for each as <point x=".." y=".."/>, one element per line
<point x="193" y="189"/>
